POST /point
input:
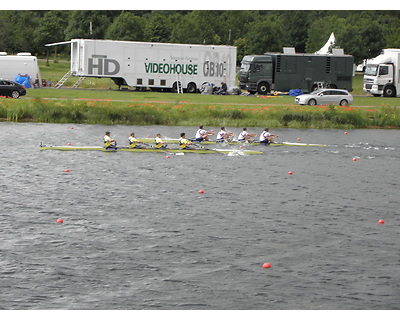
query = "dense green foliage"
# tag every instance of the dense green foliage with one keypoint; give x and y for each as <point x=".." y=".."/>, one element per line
<point x="360" y="33"/>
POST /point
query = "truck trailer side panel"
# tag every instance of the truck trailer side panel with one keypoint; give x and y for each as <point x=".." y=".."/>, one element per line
<point x="302" y="71"/>
<point x="154" y="65"/>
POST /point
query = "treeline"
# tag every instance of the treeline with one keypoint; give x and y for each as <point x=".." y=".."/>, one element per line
<point x="362" y="34"/>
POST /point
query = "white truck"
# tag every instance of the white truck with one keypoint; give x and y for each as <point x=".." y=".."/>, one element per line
<point x="22" y="64"/>
<point x="382" y="74"/>
<point x="158" y="66"/>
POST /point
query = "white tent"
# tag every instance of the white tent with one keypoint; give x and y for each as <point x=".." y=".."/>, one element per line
<point x="329" y="44"/>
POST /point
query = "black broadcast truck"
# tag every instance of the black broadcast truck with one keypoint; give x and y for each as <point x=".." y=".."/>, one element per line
<point x="282" y="72"/>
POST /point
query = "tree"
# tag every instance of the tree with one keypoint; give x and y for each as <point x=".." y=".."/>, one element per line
<point x="363" y="39"/>
<point x="127" y="26"/>
<point x="198" y="27"/>
<point x="158" y="29"/>
<point x="6" y="31"/>
<point x="87" y="25"/>
<point x="51" y="29"/>
<point x="265" y="36"/>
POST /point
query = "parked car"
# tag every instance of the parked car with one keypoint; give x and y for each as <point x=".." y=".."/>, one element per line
<point x="325" y="96"/>
<point x="11" y="89"/>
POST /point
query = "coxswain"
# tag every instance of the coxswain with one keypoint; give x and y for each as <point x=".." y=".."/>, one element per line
<point x="133" y="142"/>
<point x="183" y="142"/>
<point x="108" y="142"/>
<point x="266" y="137"/>
<point x="244" y="136"/>
<point x="224" y="136"/>
<point x="159" y="143"/>
<point x="202" y="135"/>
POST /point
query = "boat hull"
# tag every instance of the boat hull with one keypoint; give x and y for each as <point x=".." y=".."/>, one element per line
<point x="94" y="148"/>
<point x="288" y="144"/>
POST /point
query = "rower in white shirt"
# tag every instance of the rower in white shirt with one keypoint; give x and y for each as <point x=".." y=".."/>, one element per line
<point x="224" y="136"/>
<point x="266" y="137"/>
<point x="244" y="136"/>
<point x="202" y="135"/>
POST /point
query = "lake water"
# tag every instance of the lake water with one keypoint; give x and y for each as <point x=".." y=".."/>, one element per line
<point x="138" y="235"/>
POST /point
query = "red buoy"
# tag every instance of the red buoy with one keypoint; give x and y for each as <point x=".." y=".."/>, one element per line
<point x="266" y="265"/>
<point x="168" y="157"/>
<point x="290" y="173"/>
<point x="66" y="170"/>
<point x="201" y="191"/>
<point x="60" y="220"/>
<point x="381" y="221"/>
<point x="354" y="159"/>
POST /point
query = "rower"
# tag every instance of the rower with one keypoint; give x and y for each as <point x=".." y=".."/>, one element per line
<point x="108" y="142"/>
<point x="266" y="137"/>
<point x="244" y="136"/>
<point x="159" y="143"/>
<point x="183" y="142"/>
<point x="202" y="134"/>
<point x="224" y="136"/>
<point x="133" y="142"/>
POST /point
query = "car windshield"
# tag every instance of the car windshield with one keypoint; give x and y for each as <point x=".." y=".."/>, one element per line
<point x="371" y="70"/>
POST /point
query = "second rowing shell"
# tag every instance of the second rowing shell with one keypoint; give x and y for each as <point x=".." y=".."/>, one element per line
<point x="94" y="148"/>
<point x="289" y="144"/>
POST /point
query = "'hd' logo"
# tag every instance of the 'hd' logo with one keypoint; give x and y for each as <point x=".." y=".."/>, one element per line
<point x="103" y="65"/>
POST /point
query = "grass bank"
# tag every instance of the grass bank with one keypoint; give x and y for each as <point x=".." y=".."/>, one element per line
<point x="99" y="102"/>
<point x="192" y="110"/>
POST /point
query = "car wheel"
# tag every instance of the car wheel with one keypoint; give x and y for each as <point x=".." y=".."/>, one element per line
<point x="344" y="103"/>
<point x="15" y="94"/>
<point x="312" y="102"/>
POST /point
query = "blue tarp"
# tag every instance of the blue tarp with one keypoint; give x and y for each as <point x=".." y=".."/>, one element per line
<point x="25" y="80"/>
<point x="295" y="92"/>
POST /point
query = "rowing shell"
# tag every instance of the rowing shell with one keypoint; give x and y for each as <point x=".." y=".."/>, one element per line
<point x="92" y="148"/>
<point x="289" y="144"/>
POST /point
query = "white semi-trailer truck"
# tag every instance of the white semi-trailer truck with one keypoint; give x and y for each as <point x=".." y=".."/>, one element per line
<point x="162" y="66"/>
<point x="382" y="74"/>
<point x="12" y="66"/>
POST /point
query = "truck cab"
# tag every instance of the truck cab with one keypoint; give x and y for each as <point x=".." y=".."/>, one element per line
<point x="256" y="74"/>
<point x="382" y="74"/>
<point x="378" y="80"/>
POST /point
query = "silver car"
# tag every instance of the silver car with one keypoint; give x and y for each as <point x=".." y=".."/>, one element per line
<point x="325" y="96"/>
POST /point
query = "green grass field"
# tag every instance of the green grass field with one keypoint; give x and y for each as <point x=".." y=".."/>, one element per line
<point x="100" y="101"/>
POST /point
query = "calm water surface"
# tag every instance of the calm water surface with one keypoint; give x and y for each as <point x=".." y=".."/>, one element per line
<point x="138" y="235"/>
